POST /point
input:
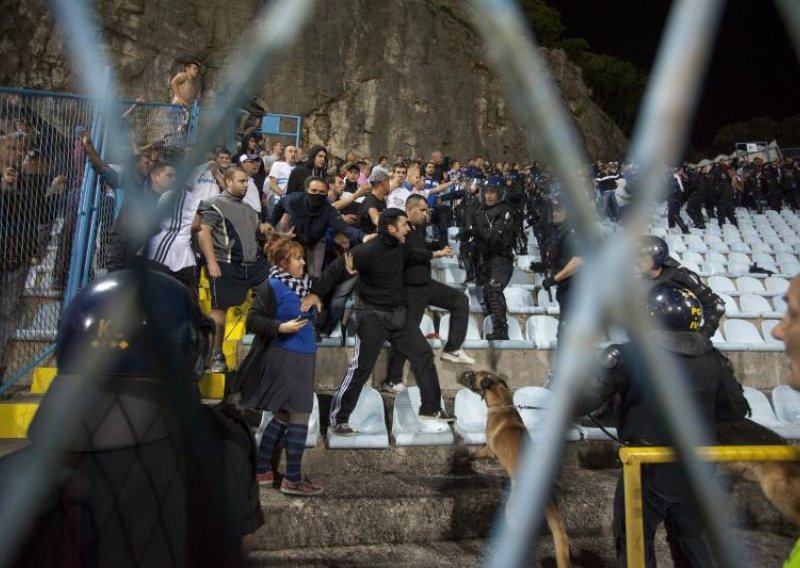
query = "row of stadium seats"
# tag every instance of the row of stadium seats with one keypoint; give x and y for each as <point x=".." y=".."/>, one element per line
<point x="782" y="415"/>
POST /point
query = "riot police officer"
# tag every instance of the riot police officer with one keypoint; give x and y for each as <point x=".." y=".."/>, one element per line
<point x="712" y="387"/>
<point x="675" y="199"/>
<point x="495" y="227"/>
<point x="655" y="264"/>
<point x="565" y="263"/>
<point x="143" y="474"/>
<point x="696" y="196"/>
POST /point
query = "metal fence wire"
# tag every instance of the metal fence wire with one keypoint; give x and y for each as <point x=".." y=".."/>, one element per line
<point x="53" y="256"/>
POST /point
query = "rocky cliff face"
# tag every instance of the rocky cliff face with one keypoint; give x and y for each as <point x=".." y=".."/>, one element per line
<point x="377" y="77"/>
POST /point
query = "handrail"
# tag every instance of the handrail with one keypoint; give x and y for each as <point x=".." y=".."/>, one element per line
<point x="632" y="459"/>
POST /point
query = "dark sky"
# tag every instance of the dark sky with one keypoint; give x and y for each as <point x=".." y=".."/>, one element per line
<point x="754" y="71"/>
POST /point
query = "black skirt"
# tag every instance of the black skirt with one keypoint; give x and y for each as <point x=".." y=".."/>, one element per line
<point x="286" y="383"/>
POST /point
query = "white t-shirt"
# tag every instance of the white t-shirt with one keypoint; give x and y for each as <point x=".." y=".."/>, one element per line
<point x="398" y="197"/>
<point x="281" y="172"/>
<point x="252" y="197"/>
<point x="172" y="246"/>
<point x="203" y="183"/>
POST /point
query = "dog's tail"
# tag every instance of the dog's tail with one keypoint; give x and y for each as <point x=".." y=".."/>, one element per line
<point x="555" y="522"/>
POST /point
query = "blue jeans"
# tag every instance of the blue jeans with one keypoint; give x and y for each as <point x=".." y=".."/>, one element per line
<point x="608" y="205"/>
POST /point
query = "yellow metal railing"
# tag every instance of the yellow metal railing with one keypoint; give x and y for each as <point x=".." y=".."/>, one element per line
<point x="632" y="459"/>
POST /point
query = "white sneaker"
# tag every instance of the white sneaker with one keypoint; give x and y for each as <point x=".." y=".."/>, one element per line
<point x="393" y="388"/>
<point x="458" y="357"/>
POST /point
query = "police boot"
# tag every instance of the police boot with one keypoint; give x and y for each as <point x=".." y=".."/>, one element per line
<point x="499" y="324"/>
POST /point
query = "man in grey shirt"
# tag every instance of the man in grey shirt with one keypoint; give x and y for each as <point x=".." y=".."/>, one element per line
<point x="229" y="242"/>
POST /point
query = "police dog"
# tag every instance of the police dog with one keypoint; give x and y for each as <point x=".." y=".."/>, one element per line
<point x="505" y="433"/>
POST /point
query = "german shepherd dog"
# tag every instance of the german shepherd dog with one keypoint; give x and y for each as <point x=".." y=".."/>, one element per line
<point x="505" y="432"/>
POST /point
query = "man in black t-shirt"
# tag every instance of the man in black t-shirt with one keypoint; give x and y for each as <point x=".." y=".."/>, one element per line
<point x="374" y="203"/>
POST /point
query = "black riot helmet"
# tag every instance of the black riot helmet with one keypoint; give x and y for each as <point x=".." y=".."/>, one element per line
<point x="656" y="248"/>
<point x="92" y="324"/>
<point x="675" y="308"/>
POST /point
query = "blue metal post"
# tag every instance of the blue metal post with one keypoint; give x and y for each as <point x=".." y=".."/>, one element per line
<point x="82" y="222"/>
<point x="194" y="116"/>
<point x="94" y="218"/>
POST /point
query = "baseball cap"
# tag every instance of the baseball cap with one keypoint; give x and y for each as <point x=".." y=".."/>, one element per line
<point x="377" y="176"/>
<point x="248" y="158"/>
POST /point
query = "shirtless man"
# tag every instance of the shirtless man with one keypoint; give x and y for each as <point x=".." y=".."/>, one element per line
<point x="184" y="86"/>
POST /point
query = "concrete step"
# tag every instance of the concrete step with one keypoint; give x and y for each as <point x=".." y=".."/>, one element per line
<point x="415" y="507"/>
<point x="523" y="367"/>
<point x="763" y="550"/>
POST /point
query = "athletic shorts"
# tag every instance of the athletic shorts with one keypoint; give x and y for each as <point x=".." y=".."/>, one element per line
<point x="231" y="288"/>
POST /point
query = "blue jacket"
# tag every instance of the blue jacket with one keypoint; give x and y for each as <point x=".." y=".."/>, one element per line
<point x="311" y="225"/>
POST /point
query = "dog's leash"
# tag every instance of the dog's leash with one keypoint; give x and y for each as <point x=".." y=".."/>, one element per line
<point x="592" y="418"/>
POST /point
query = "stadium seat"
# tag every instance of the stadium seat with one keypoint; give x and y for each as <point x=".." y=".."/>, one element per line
<point x="754" y="306"/>
<point x="515" y="337"/>
<point x="519" y="300"/>
<point x="43" y="326"/>
<point x="791" y="269"/>
<point x="740" y="247"/>
<point x="692" y="256"/>
<point x="470" y="412"/>
<point x="738" y="257"/>
<point x="537" y="402"/>
<point x="722" y="285"/>
<point x="760" y="247"/>
<point x="786" y="402"/>
<point x="452" y="233"/>
<point x="520" y="277"/>
<point x="731" y="307"/>
<point x="474" y="300"/>
<point x="454" y="276"/>
<point x="713" y="269"/>
<point x="716" y="257"/>
<point x="776" y="285"/>
<point x="781" y="257"/>
<point x="429" y="331"/>
<point x="719" y="247"/>
<point x="408" y="429"/>
<point x="693" y="266"/>
<point x="763" y="259"/>
<point x="780" y="305"/>
<point x="741" y="335"/>
<point x="718" y="337"/>
<point x="542" y="331"/>
<point x="368" y="419"/>
<point x="543" y="301"/>
<point x="738" y="268"/>
<point x="749" y="285"/>
<point x="764" y="414"/>
<point x="313" y="425"/>
<point x="766" y="329"/>
<point x="335" y="339"/>
<point x="473" y="339"/>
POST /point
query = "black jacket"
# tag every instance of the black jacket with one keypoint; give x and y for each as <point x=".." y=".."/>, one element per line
<point x="381" y="266"/>
<point x="306" y="169"/>
<point x="311" y="225"/>
<point x="495" y="229"/>
<point x="710" y="382"/>
<point x="418" y="270"/>
<point x="262" y="323"/>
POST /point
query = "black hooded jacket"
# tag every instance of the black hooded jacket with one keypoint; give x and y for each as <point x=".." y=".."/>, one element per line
<point x="305" y="170"/>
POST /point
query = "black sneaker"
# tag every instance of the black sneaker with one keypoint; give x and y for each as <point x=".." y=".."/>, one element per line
<point x="436" y="416"/>
<point x="342" y="429"/>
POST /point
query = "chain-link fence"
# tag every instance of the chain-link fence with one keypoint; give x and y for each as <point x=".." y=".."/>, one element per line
<point x="57" y="214"/>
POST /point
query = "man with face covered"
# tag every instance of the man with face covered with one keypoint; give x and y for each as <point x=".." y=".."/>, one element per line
<point x="311" y="215"/>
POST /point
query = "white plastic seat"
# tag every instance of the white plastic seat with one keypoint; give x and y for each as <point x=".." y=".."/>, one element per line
<point x="731" y="307"/>
<point x="740" y="247"/>
<point x="763" y="259"/>
<point x="454" y="277"/>
<point x="543" y="300"/>
<point x="754" y="306"/>
<point x="470" y="412"/>
<point x="749" y="285"/>
<point x="722" y="285"/>
<point x="538" y="401"/>
<point x="369" y="421"/>
<point x="693" y="266"/>
<point x="408" y="429"/>
<point x="452" y="233"/>
<point x="542" y="331"/>
<point x="738" y="257"/>
<point x="781" y="257"/>
<point x="474" y="300"/>
<point x="776" y="285"/>
<point x="514" y="329"/>
<point x="716" y="257"/>
<point x="764" y="414"/>
<point x="473" y="339"/>
<point x="692" y="256"/>
<point x="742" y="335"/>
<point x="43" y="326"/>
<point x="760" y="247"/>
<point x="786" y="402"/>
<point x="521" y="277"/>
<point x="713" y="268"/>
<point x="780" y="305"/>
<point x="790" y="268"/>
<point x="738" y="268"/>
<point x="719" y="247"/>
<point x="519" y="300"/>
<point x="429" y="331"/>
<point x="766" y="329"/>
